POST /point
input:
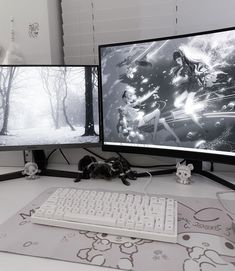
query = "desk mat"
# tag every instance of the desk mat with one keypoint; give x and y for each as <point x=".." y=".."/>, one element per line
<point x="205" y="241"/>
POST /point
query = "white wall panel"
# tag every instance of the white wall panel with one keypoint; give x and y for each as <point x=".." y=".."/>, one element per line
<point x="47" y="47"/>
<point x="202" y="15"/>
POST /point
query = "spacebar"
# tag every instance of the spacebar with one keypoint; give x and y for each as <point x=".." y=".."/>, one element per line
<point x="98" y="220"/>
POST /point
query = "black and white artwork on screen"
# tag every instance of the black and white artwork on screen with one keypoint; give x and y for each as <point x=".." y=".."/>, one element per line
<point x="47" y="105"/>
<point x="176" y="92"/>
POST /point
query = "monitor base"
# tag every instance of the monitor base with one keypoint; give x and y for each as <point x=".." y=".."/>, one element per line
<point x="11" y="176"/>
<point x="46" y="172"/>
<point x="197" y="170"/>
<point x="41" y="161"/>
<point x="216" y="179"/>
<point x="59" y="173"/>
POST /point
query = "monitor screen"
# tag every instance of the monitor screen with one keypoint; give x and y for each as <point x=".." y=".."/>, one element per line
<point x="171" y="96"/>
<point x="42" y="106"/>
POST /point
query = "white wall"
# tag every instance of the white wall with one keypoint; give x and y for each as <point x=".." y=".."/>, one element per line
<point x="45" y="49"/>
<point x="202" y="15"/>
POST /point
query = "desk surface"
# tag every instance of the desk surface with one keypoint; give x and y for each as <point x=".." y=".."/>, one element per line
<point x="15" y="194"/>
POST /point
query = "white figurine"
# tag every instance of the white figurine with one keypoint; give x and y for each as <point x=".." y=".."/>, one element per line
<point x="31" y="170"/>
<point x="183" y="173"/>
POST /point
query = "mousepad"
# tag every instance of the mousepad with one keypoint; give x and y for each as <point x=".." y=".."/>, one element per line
<point x="206" y="241"/>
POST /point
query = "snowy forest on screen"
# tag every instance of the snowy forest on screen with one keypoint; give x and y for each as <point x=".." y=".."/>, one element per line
<point x="48" y="105"/>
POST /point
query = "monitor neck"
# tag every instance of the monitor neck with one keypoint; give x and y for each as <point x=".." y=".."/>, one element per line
<point x="39" y="158"/>
<point x="197" y="165"/>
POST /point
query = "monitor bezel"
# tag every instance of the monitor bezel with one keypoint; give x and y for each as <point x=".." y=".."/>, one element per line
<point x="159" y="151"/>
<point x="55" y="146"/>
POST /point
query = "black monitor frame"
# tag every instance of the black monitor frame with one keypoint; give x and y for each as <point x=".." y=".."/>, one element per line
<point x="195" y="157"/>
<point x="54" y="146"/>
<point x="160" y="151"/>
<point x="38" y="150"/>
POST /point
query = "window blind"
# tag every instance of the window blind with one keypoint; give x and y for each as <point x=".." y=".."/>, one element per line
<point x="78" y="31"/>
<point x="89" y="23"/>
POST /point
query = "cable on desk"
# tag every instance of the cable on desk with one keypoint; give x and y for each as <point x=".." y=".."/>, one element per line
<point x="97" y="155"/>
<point x="65" y="158"/>
<point x="223" y="202"/>
<point x="148" y="183"/>
<point x="50" y="154"/>
<point x="53" y="151"/>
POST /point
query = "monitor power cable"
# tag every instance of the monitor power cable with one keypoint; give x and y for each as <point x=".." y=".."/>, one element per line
<point x="145" y="190"/>
<point x="62" y="153"/>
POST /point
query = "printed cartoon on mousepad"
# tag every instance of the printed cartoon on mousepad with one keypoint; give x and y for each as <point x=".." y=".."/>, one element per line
<point x="206" y="241"/>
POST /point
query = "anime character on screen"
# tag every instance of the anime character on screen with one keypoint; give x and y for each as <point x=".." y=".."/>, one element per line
<point x="189" y="77"/>
<point x="132" y="119"/>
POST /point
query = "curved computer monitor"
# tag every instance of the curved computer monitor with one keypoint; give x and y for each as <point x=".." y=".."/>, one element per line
<point x="171" y="96"/>
<point x="45" y="107"/>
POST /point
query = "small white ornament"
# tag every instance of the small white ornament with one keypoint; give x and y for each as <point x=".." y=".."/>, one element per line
<point x="183" y="173"/>
<point x="13" y="54"/>
<point x="31" y="170"/>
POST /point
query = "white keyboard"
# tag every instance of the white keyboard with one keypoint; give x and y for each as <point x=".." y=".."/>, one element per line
<point x="125" y="214"/>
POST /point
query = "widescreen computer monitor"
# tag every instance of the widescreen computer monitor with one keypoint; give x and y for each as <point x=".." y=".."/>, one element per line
<point x="48" y="107"/>
<point x="171" y="96"/>
<point x="44" y="107"/>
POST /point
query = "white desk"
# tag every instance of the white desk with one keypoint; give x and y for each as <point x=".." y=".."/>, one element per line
<point x="15" y="194"/>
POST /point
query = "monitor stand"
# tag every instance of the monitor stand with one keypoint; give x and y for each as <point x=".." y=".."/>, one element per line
<point x="40" y="160"/>
<point x="197" y="169"/>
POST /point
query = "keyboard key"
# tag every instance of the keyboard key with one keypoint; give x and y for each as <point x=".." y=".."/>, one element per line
<point x="149" y="226"/>
<point x="58" y="215"/>
<point x="39" y="212"/>
<point x="139" y="225"/>
<point x="121" y="222"/>
<point x="49" y="213"/>
<point x="130" y="224"/>
<point x="159" y="227"/>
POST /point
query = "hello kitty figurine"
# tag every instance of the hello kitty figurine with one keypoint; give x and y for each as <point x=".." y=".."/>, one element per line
<point x="183" y="173"/>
